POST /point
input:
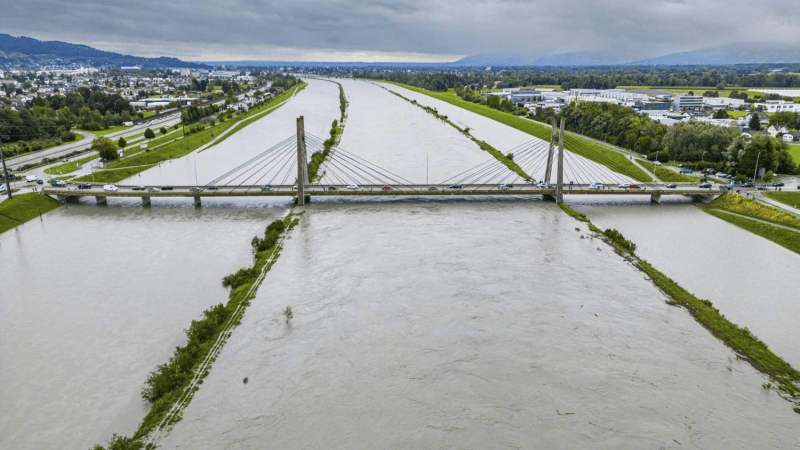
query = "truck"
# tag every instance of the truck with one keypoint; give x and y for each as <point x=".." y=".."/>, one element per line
<point x="31" y="178"/>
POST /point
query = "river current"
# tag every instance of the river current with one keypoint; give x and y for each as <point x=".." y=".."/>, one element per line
<point x="418" y="323"/>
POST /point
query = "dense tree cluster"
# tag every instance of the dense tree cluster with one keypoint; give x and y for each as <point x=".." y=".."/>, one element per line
<point x="194" y="113"/>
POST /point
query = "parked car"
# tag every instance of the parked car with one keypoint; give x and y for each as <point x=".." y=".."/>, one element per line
<point x="84" y="186"/>
<point x="138" y="188"/>
<point x="166" y="188"/>
<point x="110" y="187"/>
<point x="433" y="188"/>
<point x="195" y="189"/>
<point x="672" y="186"/>
<point x="387" y="188"/>
<point x="456" y="186"/>
<point x="352" y="186"/>
<point x="624" y="185"/>
<point x="58" y="183"/>
<point x="152" y="189"/>
<point x="506" y="186"/>
<point x="704" y="185"/>
<point x="596" y="185"/>
<point x="266" y="188"/>
<point x="778" y="183"/>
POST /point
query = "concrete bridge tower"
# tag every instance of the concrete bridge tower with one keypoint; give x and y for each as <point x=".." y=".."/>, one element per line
<point x="302" y="163"/>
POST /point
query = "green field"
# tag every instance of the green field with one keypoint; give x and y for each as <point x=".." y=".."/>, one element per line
<point x="737" y="114"/>
<point x="108" y="131"/>
<point x="24" y="207"/>
<point x="581" y="146"/>
<point x="69" y="167"/>
<point x="787" y="198"/>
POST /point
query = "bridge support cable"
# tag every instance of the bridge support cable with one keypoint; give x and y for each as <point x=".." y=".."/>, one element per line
<point x="549" y="166"/>
<point x="252" y="161"/>
<point x="342" y="155"/>
<point x="262" y="171"/>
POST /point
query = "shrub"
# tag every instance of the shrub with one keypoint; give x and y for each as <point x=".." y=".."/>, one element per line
<point x="619" y="240"/>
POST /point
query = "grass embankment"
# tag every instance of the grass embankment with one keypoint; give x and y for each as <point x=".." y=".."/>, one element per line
<point x="22" y="208"/>
<point x="787" y="198"/>
<point x="125" y="168"/>
<point x="170" y="387"/>
<point x="69" y="167"/>
<point x="497" y="154"/>
<point x="741" y="340"/>
<point x="337" y="128"/>
<point x="781" y="236"/>
<point x="107" y="131"/>
<point x="751" y="208"/>
<point x="578" y="145"/>
<point x="666" y="174"/>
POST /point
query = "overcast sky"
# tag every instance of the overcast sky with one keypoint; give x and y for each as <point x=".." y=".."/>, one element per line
<point x="399" y="30"/>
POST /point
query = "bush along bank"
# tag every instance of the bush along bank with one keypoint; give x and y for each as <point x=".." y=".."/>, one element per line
<point x="747" y="346"/>
<point x="337" y="128"/>
<point x="497" y="154"/>
<point x="170" y="387"/>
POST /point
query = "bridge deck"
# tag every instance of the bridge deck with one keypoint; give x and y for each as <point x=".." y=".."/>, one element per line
<point x="416" y="190"/>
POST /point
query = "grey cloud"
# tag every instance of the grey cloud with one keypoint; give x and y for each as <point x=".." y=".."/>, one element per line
<point x="256" y="29"/>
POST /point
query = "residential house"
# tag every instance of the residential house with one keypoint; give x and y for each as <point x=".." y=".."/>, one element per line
<point x="791" y="136"/>
<point x="773" y="130"/>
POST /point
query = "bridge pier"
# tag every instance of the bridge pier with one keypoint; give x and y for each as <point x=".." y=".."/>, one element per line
<point x="197" y="202"/>
<point x="655" y="198"/>
<point x="100" y="199"/>
<point x="145" y="201"/>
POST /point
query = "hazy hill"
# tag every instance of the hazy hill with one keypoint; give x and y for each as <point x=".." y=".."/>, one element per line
<point x="28" y="51"/>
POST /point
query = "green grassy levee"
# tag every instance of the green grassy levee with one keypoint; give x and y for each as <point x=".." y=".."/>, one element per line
<point x="751" y="208"/>
<point x="787" y="198"/>
<point x="781" y="236"/>
<point x="24" y="207"/>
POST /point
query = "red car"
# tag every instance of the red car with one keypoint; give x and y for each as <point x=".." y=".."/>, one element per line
<point x="633" y="186"/>
<point x="387" y="188"/>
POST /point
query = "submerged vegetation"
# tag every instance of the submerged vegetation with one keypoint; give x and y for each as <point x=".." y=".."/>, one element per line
<point x="171" y="386"/>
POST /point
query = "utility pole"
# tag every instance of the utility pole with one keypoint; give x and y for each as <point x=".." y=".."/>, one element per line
<point x="755" y="171"/>
<point x="560" y="176"/>
<point x="5" y="171"/>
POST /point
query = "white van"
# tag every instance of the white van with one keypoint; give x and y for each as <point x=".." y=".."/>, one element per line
<point x="31" y="178"/>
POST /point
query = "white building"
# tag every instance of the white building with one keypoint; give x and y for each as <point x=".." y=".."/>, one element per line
<point x="773" y="106"/>
<point x="688" y="103"/>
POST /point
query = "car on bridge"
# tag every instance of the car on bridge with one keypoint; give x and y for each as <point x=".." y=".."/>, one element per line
<point x="633" y="186"/>
<point x="387" y="188"/>
<point x="58" y="183"/>
<point x="152" y="189"/>
<point x="266" y="188"/>
<point x="352" y="186"/>
<point x="332" y="188"/>
<point x="85" y="186"/>
<point x="433" y="188"/>
<point x="596" y="185"/>
<point x="166" y="188"/>
<point x="212" y="188"/>
<point x="138" y="188"/>
<point x="195" y="189"/>
<point x="110" y="187"/>
<point x="704" y="185"/>
<point x="671" y="186"/>
<point x="724" y="187"/>
<point x="624" y="185"/>
<point x="455" y="186"/>
<point x="506" y="186"/>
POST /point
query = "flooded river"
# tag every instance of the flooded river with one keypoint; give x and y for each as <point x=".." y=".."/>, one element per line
<point x="744" y="275"/>
<point x="471" y="325"/>
<point x="418" y="323"/>
<point x="94" y="298"/>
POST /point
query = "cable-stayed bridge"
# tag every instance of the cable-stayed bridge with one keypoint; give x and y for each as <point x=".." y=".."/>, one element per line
<point x="537" y="168"/>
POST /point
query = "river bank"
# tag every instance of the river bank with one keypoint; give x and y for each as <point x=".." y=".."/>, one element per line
<point x="21" y="208"/>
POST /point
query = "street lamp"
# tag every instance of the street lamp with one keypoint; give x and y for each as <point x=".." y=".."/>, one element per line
<point x="755" y="171"/>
